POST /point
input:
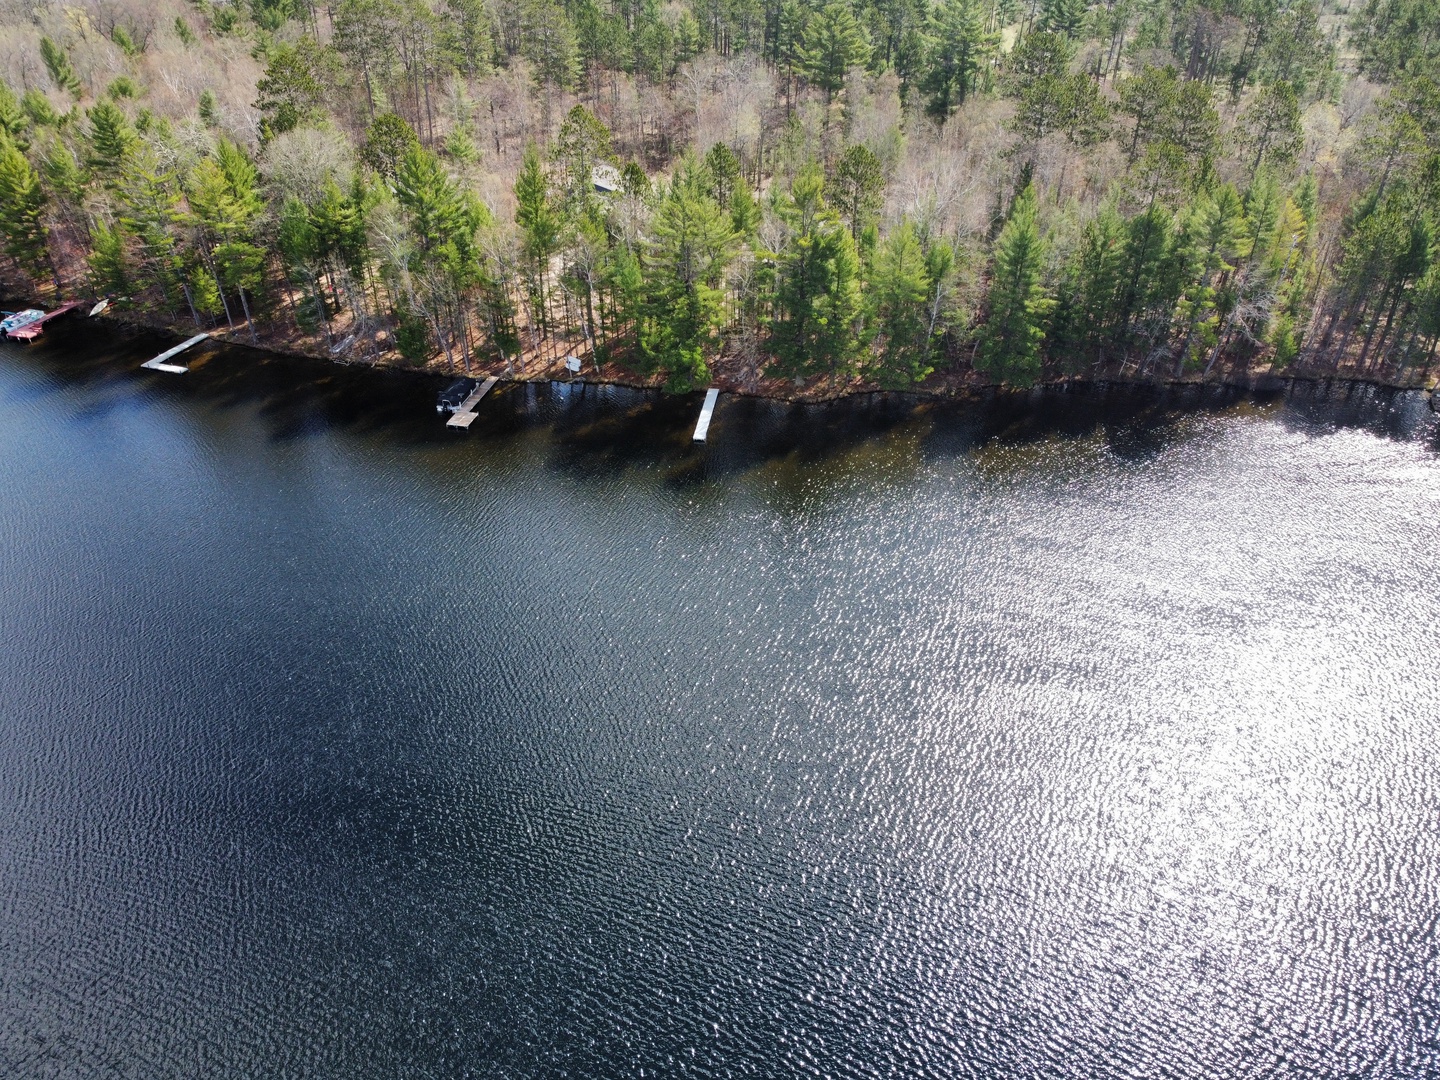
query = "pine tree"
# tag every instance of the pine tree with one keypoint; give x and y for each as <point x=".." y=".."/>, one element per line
<point x="817" y="295"/>
<point x="582" y="143"/>
<point x="22" y="208"/>
<point x="14" y="124"/>
<point x="692" y="243"/>
<point x="57" y="63"/>
<point x="1152" y="278"/>
<point x="387" y="140"/>
<point x="654" y="44"/>
<point x="298" y="242"/>
<point x="1085" y="318"/>
<point x="1210" y="241"/>
<point x="293" y="89"/>
<point x="108" y="275"/>
<point x="38" y="109"/>
<point x="857" y="187"/>
<point x="110" y="138"/>
<point x="1012" y="335"/>
<point x="63" y="174"/>
<point x="222" y="194"/>
<point x="722" y="172"/>
<point x="549" y="45"/>
<point x="469" y="35"/>
<point x="429" y="198"/>
<point x="365" y="35"/>
<point x="1064" y="17"/>
<point x="899" y="290"/>
<point x="540" y="224"/>
<point x="833" y="43"/>
<point x="151" y="210"/>
<point x="1272" y="126"/>
<point x="1147" y="98"/>
<point x="961" y="48"/>
<point x="744" y="213"/>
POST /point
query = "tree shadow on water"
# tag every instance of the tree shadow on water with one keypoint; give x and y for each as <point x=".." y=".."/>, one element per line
<point x="292" y="397"/>
<point x="596" y="428"/>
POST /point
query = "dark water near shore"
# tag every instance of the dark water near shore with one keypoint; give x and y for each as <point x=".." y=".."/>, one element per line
<point x="1084" y="734"/>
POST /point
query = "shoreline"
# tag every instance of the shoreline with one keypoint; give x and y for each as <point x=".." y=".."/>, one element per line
<point x="952" y="386"/>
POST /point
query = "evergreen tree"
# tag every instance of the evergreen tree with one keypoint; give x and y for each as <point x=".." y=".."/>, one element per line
<point x="298" y="243"/>
<point x="388" y="140"/>
<point x="692" y="243"/>
<point x="1039" y="55"/>
<point x="1012" y="335"/>
<point x="63" y="174"/>
<point x="1063" y="17"/>
<point x="1152" y="279"/>
<point x="222" y="194"/>
<point x="110" y="138"/>
<point x="292" y="91"/>
<point x="549" y="45"/>
<point x="429" y="197"/>
<point x="1272" y="126"/>
<point x="744" y="213"/>
<point x="654" y="44"/>
<point x="1068" y="103"/>
<point x="961" y="48"/>
<point x="540" y="224"/>
<point x="107" y="264"/>
<point x="469" y="39"/>
<point x="582" y="144"/>
<point x="208" y="109"/>
<point x="1085" y="317"/>
<point x="150" y="213"/>
<point x="722" y="173"/>
<point x="833" y="43"/>
<point x="817" y="296"/>
<point x="14" y="124"/>
<point x="365" y="34"/>
<point x="1212" y="238"/>
<point x="38" y="109"/>
<point x="22" y="208"/>
<point x="900" y="288"/>
<point x="857" y="187"/>
<point x="57" y="63"/>
<point x="792" y="17"/>
<point x="1148" y="99"/>
<point x="1396" y="37"/>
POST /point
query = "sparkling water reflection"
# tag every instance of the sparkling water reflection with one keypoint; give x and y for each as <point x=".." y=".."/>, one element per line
<point x="1087" y="734"/>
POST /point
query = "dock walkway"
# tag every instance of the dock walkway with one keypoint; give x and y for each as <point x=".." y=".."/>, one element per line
<point x="158" y="364"/>
<point x="465" y="415"/>
<point x="707" y="410"/>
<point x="30" y="331"/>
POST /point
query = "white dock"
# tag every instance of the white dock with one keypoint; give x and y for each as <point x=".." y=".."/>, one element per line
<point x="158" y="364"/>
<point x="706" y="411"/>
<point x="465" y="415"/>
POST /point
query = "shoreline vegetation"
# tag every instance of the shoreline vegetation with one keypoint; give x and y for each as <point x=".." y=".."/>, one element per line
<point x="1258" y="380"/>
<point x="783" y="198"/>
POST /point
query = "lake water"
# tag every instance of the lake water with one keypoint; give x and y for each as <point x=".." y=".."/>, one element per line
<point x="1083" y="734"/>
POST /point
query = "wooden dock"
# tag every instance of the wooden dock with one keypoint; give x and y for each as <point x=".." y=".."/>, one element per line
<point x="464" y="416"/>
<point x="31" y="331"/>
<point x="706" y="412"/>
<point x="158" y="364"/>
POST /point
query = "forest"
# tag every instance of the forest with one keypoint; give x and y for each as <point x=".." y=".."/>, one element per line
<point x="822" y="194"/>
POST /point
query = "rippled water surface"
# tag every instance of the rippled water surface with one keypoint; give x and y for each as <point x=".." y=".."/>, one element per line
<point x="1083" y="735"/>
